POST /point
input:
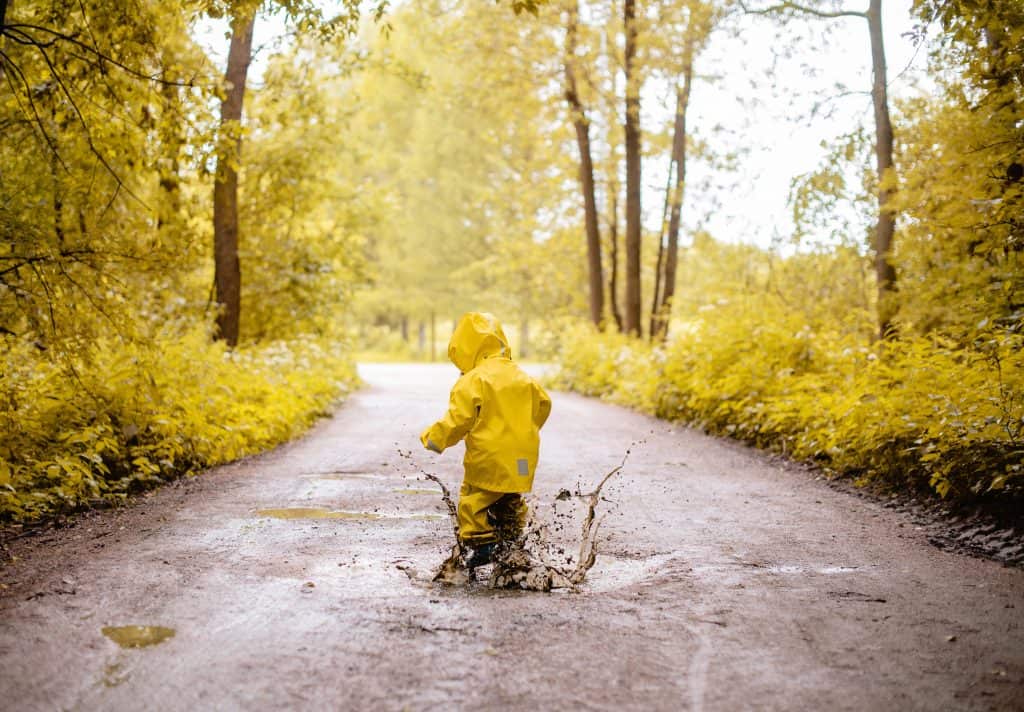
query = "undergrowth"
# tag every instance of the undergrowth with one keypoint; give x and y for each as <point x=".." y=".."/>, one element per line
<point x="118" y="417"/>
<point x="916" y="413"/>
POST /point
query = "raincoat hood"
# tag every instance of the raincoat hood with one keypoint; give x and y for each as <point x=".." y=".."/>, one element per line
<point x="477" y="336"/>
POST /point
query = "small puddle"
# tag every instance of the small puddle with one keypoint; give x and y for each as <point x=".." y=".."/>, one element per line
<point x="827" y="570"/>
<point x="321" y="513"/>
<point x="613" y="572"/>
<point x="138" y="636"/>
<point x="314" y="513"/>
<point x="411" y="490"/>
<point x="114" y="674"/>
<point x="342" y="475"/>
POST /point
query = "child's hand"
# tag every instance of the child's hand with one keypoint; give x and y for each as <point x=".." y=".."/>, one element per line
<point x="428" y="443"/>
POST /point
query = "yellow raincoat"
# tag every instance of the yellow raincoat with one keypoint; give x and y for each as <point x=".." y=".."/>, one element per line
<point x="499" y="410"/>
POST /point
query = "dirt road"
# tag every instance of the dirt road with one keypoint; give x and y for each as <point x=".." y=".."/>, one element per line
<point x="295" y="580"/>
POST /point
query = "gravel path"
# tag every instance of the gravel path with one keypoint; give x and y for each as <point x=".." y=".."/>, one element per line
<point x="298" y="580"/>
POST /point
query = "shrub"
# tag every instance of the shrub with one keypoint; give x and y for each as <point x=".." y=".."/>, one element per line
<point x="915" y="413"/>
<point x="122" y="416"/>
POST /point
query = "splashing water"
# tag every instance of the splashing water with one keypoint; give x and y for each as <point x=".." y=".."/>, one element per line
<point x="453" y="570"/>
<point x="526" y="562"/>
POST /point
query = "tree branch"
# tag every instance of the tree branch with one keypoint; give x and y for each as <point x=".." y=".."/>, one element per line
<point x="17" y="33"/>
<point x="802" y="9"/>
<point x="37" y="119"/>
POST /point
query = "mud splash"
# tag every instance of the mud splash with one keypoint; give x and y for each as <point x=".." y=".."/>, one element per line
<point x="138" y="636"/>
<point x="453" y="570"/>
<point x="527" y="563"/>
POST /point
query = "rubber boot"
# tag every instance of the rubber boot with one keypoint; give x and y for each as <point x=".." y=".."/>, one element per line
<point x="482" y="555"/>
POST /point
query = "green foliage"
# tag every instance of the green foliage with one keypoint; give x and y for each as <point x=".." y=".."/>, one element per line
<point x="960" y="254"/>
<point x="119" y="416"/>
<point x="108" y="380"/>
<point x="916" y="412"/>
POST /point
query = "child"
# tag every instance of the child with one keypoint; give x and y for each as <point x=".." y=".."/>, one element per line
<point x="499" y="410"/>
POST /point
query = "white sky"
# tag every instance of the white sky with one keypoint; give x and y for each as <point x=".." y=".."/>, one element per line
<point x="776" y="134"/>
<point x="783" y="142"/>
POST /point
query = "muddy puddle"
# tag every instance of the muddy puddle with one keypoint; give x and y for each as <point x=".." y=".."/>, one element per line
<point x="345" y="475"/>
<point x="137" y="636"/>
<point x="323" y="513"/>
<point x="535" y="560"/>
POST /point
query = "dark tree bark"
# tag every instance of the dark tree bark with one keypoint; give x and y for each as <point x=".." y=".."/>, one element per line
<point x="634" y="307"/>
<point x="659" y="319"/>
<point x="885" y="274"/>
<point x="659" y="262"/>
<point x="227" y="271"/>
<point x="586" y="171"/>
<point x="613" y="277"/>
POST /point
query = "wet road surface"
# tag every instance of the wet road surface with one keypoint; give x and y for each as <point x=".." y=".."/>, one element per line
<point x="726" y="580"/>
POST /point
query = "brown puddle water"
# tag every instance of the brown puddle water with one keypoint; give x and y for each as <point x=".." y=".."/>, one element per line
<point x="412" y="490"/>
<point x="138" y="636"/>
<point x="321" y="513"/>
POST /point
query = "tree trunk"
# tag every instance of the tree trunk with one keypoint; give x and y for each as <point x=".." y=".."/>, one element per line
<point x="679" y="142"/>
<point x="586" y="171"/>
<point x="613" y="196"/>
<point x="421" y="334"/>
<point x="4" y="7"/>
<point x="613" y="278"/>
<point x="405" y="328"/>
<point x="885" y="275"/>
<point x="170" y="179"/>
<point x="225" y="190"/>
<point x="524" y="336"/>
<point x="633" y="188"/>
<point x="659" y="262"/>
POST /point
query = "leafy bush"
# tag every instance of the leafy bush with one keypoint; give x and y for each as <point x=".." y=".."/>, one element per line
<point x="122" y="416"/>
<point x="915" y="413"/>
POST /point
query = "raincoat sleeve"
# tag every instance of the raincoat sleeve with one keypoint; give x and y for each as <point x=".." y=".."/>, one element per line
<point x="543" y="408"/>
<point x="463" y="408"/>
